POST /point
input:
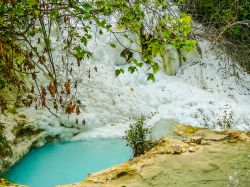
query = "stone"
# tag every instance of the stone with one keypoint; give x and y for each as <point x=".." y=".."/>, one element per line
<point x="210" y="168"/>
<point x="192" y="149"/>
<point x="196" y="140"/>
<point x="176" y="149"/>
<point x="234" y="134"/>
<point x="204" y="142"/>
<point x="213" y="161"/>
<point x="215" y="137"/>
<point x="233" y="140"/>
<point x="5" y="183"/>
<point x="170" y="61"/>
<point x="181" y="129"/>
<point x="243" y="137"/>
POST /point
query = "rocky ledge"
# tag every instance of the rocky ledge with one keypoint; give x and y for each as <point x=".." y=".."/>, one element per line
<point x="17" y="135"/>
<point x="188" y="156"/>
<point x="5" y="183"/>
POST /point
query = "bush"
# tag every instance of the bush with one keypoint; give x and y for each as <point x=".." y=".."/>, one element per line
<point x="136" y="136"/>
<point x="226" y="121"/>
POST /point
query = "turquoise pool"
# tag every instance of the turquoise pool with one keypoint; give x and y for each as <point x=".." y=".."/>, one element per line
<point x="63" y="163"/>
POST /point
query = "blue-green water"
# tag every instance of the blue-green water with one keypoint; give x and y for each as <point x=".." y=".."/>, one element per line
<point x="63" y="163"/>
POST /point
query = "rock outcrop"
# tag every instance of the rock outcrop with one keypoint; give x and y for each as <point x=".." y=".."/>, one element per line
<point x="19" y="135"/>
<point x="5" y="183"/>
<point x="192" y="157"/>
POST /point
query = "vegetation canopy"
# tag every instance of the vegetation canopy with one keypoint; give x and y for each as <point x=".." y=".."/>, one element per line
<point x="29" y="30"/>
<point x="227" y="23"/>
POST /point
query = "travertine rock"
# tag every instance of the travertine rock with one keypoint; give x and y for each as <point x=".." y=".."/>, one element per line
<point x="176" y="163"/>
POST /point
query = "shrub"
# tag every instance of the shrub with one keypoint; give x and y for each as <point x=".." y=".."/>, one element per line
<point x="136" y="136"/>
<point x="226" y="121"/>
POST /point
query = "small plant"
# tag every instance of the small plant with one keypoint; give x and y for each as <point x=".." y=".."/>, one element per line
<point x="226" y="121"/>
<point x="136" y="135"/>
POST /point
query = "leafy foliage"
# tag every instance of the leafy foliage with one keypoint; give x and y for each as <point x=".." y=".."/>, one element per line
<point x="151" y="25"/>
<point x="24" y="22"/>
<point x="8" y="75"/>
<point x="229" y="22"/>
<point x="29" y="29"/>
<point x="136" y="136"/>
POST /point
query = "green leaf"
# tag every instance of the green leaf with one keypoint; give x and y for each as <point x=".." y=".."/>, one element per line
<point x="151" y="77"/>
<point x="140" y="65"/>
<point x="113" y="45"/>
<point x="32" y="33"/>
<point x="54" y="13"/>
<point x="87" y="7"/>
<point x="2" y="83"/>
<point x="155" y="50"/>
<point x="184" y="59"/>
<point x="155" y="68"/>
<point x="132" y="69"/>
<point x="108" y="26"/>
<point x="84" y="40"/>
<point x="117" y="72"/>
<point x="135" y="61"/>
<point x="19" y="59"/>
<point x="88" y="36"/>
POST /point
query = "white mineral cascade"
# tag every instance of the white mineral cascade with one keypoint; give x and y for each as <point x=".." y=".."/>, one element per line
<point x="197" y="95"/>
